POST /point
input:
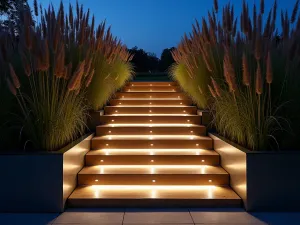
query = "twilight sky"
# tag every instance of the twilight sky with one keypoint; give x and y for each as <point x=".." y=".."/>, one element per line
<point x="155" y="24"/>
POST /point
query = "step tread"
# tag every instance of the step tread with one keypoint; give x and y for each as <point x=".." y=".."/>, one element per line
<point x="154" y="125"/>
<point x="146" y="170"/>
<point x="137" y="192"/>
<point x="154" y="137"/>
<point x="138" y="152"/>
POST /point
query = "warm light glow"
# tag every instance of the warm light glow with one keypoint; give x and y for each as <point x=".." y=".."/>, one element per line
<point x="96" y="180"/>
<point x="192" y="131"/>
<point x="152" y="160"/>
<point x="101" y="170"/>
<point x="180" y="103"/>
<point x="150" y="110"/>
<point x="102" y="160"/>
<point x="153" y="151"/>
<point x="112" y="121"/>
<point x="153" y="181"/>
<point x="150" y="103"/>
<point x="120" y="103"/>
<point x="153" y="187"/>
<point x="151" y="144"/>
<point x="109" y="131"/>
<point x="107" y="144"/>
<point x="116" y="111"/>
<point x="183" y="167"/>
<point x="188" y="120"/>
<point x="153" y="194"/>
<point x="152" y="171"/>
<point x="203" y="160"/>
<point x="150" y="131"/>
<point x="150" y="136"/>
<point x="209" y="181"/>
<point x="197" y="144"/>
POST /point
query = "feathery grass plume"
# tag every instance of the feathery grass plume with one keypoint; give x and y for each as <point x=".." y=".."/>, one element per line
<point x="60" y="63"/>
<point x="35" y="6"/>
<point x="295" y="11"/>
<point x="27" y="30"/>
<point x="258" y="82"/>
<point x="216" y="6"/>
<point x="269" y="74"/>
<point x="90" y="77"/>
<point x="212" y="91"/>
<point x="11" y="87"/>
<point x="246" y="74"/>
<point x="262" y="7"/>
<point x="14" y="76"/>
<point x="216" y="87"/>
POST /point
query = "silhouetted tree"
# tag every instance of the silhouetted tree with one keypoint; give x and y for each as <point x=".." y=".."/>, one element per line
<point x="12" y="10"/>
<point x="166" y="59"/>
<point x="144" y="61"/>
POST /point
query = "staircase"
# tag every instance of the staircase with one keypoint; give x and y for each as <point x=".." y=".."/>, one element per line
<point x="152" y="151"/>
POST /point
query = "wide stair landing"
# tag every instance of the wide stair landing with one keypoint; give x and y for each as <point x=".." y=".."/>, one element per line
<point x="152" y="151"/>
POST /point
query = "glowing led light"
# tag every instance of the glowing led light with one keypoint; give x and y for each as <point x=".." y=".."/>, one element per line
<point x="191" y="138"/>
<point x="202" y="160"/>
<point x="152" y="187"/>
<point x="197" y="153"/>
<point x="112" y="120"/>
<point x="183" y="110"/>
<point x="150" y="84"/>
<point x="109" y="138"/>
<point x="153" y="181"/>
<point x="152" y="171"/>
<point x="102" y="160"/>
<point x="120" y="103"/>
<point x="116" y="111"/>
<point x="101" y="170"/>
<point x="151" y="153"/>
<point x="152" y="160"/>
<point x="209" y="181"/>
<point x="150" y="110"/>
<point x="132" y="85"/>
<point x="169" y="84"/>
<point x="96" y="180"/>
<point x="197" y="144"/>
<point x="151" y="144"/>
<point x="150" y="131"/>
<point x="150" y="138"/>
<point x="106" y="152"/>
<point x="150" y="120"/>
<point x="150" y="103"/>
<point x="122" y="96"/>
<point x="109" y="131"/>
<point x="192" y="131"/>
<point x="188" y="120"/>
<point x="153" y="194"/>
<point x="180" y="103"/>
<point x="150" y="96"/>
<point x="107" y="144"/>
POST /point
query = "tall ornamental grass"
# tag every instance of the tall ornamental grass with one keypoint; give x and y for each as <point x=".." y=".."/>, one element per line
<point x="250" y="72"/>
<point x="112" y="68"/>
<point x="50" y="67"/>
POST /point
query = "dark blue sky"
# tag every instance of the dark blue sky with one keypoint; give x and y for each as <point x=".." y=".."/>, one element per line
<point x="154" y="24"/>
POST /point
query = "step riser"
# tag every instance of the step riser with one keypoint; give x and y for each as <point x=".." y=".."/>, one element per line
<point x="100" y="131"/>
<point x="151" y="89"/>
<point x="160" y="84"/>
<point x="93" y="160"/>
<point x="147" y="179"/>
<point x="120" y="102"/>
<point x="151" y="95"/>
<point x="161" y="203"/>
<point x="138" y="144"/>
<point x="152" y="110"/>
<point x="147" y="122"/>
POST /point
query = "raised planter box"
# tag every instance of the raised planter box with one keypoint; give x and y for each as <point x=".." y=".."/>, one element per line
<point x="42" y="181"/>
<point x="265" y="180"/>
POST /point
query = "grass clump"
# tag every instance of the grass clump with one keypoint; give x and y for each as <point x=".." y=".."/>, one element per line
<point x="51" y="66"/>
<point x="250" y="73"/>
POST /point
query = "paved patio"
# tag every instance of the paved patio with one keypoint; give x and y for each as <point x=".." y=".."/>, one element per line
<point x="152" y="216"/>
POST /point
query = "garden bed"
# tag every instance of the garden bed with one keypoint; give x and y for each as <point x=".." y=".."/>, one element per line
<point x="265" y="180"/>
<point x="41" y="181"/>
